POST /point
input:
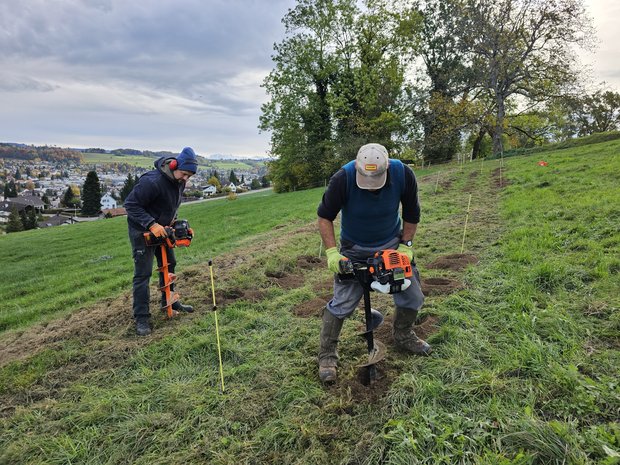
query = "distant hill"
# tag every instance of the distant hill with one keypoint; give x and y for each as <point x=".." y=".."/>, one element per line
<point x="121" y="155"/>
<point x="30" y="152"/>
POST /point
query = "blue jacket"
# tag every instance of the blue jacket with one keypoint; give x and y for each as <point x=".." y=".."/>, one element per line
<point x="155" y="198"/>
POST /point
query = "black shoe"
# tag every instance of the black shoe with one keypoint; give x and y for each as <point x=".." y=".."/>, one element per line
<point x="143" y="327"/>
<point x="179" y="307"/>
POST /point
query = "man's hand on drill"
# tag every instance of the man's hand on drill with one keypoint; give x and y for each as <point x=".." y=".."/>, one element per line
<point x="406" y="250"/>
<point x="333" y="259"/>
<point x="158" y="230"/>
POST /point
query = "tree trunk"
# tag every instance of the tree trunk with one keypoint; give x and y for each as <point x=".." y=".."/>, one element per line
<point x="475" y="151"/>
<point x="498" y="130"/>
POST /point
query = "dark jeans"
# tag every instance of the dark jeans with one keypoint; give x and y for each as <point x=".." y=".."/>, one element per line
<point x="143" y="269"/>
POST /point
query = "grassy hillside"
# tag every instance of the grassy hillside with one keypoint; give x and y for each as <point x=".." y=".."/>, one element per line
<point x="57" y="270"/>
<point x="527" y="350"/>
<point x="147" y="162"/>
<point x="102" y="158"/>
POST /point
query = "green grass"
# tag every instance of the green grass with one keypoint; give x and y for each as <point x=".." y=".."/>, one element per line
<point x="230" y="165"/>
<point x="147" y="162"/>
<point x="53" y="271"/>
<point x="596" y="138"/>
<point x="524" y="371"/>
<point x="107" y="158"/>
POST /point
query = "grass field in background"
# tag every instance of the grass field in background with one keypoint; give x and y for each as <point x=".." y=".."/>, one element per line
<point x="526" y="357"/>
<point x="105" y="158"/>
<point x="147" y="162"/>
<point x="56" y="270"/>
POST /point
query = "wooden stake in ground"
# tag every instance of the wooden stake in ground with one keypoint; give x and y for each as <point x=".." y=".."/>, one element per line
<point x="465" y="228"/>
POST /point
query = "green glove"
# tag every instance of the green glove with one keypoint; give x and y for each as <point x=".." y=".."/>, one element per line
<point x="405" y="249"/>
<point x="333" y="259"/>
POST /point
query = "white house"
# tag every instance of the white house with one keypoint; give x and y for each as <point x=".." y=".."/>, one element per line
<point x="108" y="202"/>
<point x="209" y="190"/>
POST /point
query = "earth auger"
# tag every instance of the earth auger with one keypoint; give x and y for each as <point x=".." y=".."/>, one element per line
<point x="178" y="235"/>
<point x="388" y="272"/>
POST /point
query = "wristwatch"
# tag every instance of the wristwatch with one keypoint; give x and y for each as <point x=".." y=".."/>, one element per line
<point x="407" y="243"/>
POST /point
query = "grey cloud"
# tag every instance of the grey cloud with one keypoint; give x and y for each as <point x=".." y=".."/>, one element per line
<point x="186" y="47"/>
<point x="20" y="83"/>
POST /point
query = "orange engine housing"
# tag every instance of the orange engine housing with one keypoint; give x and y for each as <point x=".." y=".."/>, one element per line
<point x="390" y="265"/>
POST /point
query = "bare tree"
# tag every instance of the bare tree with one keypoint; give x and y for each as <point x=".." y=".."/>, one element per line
<point x="523" y="48"/>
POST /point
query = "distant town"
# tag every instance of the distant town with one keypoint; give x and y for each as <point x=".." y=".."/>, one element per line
<point x="44" y="186"/>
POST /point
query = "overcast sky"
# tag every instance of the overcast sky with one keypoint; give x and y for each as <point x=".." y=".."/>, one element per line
<point x="162" y="74"/>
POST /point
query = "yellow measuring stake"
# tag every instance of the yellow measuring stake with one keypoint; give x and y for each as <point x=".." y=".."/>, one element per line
<point x="217" y="329"/>
<point x="465" y="228"/>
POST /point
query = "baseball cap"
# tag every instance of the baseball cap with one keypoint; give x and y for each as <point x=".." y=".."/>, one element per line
<point x="371" y="166"/>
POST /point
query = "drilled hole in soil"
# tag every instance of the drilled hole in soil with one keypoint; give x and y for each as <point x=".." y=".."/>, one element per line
<point x="290" y="281"/>
<point x="274" y="274"/>
<point x="308" y="262"/>
<point x="438" y="286"/>
<point x="454" y="262"/>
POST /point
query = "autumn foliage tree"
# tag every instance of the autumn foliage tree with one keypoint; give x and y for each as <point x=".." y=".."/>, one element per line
<point x="522" y="48"/>
<point x="337" y="83"/>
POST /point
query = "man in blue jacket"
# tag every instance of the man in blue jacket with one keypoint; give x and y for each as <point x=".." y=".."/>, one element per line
<point x="151" y="205"/>
<point x="369" y="192"/>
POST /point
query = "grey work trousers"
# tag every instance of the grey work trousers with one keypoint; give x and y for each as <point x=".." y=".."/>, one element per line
<point x="348" y="293"/>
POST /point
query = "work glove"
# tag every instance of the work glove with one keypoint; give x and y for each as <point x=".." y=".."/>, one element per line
<point x="406" y="250"/>
<point x="333" y="259"/>
<point x="158" y="230"/>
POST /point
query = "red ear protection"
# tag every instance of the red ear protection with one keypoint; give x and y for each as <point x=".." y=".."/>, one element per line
<point x="173" y="165"/>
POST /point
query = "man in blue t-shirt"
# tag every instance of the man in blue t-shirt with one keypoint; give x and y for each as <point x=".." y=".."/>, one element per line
<point x="369" y="192"/>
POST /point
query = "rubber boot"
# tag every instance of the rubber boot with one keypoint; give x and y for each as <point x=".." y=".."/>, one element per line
<point x="328" y="355"/>
<point x="404" y="337"/>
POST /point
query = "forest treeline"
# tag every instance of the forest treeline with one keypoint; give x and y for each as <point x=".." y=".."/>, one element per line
<point x="429" y="79"/>
<point x="31" y="152"/>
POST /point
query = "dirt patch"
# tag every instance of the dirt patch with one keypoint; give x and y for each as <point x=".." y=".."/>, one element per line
<point x="275" y="274"/>
<point x="440" y="286"/>
<point x="310" y="308"/>
<point x="254" y="295"/>
<point x="354" y="385"/>
<point x="287" y="281"/>
<point x="89" y="324"/>
<point x="309" y="262"/>
<point x="454" y="262"/>
<point x="447" y="184"/>
<point x="498" y="178"/>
